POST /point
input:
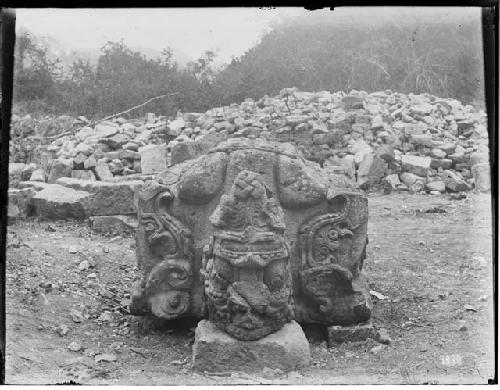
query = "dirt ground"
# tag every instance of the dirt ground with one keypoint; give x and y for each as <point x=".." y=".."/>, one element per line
<point x="430" y="256"/>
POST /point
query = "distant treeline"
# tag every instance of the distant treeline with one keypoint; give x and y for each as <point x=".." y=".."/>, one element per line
<point x="310" y="52"/>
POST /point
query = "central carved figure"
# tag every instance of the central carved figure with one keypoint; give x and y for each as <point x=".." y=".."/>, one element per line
<point x="247" y="271"/>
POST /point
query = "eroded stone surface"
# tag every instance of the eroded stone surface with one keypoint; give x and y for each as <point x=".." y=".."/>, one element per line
<point x="216" y="351"/>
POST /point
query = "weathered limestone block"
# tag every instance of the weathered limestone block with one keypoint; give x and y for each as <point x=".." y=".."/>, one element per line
<point x="108" y="198"/>
<point x="15" y="171"/>
<point x="153" y="158"/>
<point x="59" y="168"/>
<point x="59" y="202"/>
<point x="252" y="235"/>
<point x="391" y="183"/>
<point x="215" y="351"/>
<point x="27" y="171"/>
<point x="482" y="178"/>
<point x="339" y="334"/>
<point x="414" y="182"/>
<point x="444" y="163"/>
<point x="36" y="185"/>
<point x="82" y="174"/>
<point x="454" y="182"/>
<point x="37" y="175"/>
<point x="416" y="164"/>
<point x="185" y="151"/>
<point x="103" y="172"/>
<point x="352" y="102"/>
<point x="435" y="185"/>
<point x="371" y="171"/>
<point x="19" y="200"/>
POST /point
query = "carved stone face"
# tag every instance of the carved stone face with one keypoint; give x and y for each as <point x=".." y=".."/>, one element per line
<point x="247" y="275"/>
<point x="256" y="271"/>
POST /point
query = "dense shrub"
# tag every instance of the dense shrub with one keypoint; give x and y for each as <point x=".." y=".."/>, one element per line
<point x="324" y="52"/>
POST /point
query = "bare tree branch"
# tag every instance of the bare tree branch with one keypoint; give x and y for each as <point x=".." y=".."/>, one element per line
<point x="135" y="107"/>
<point x="107" y="118"/>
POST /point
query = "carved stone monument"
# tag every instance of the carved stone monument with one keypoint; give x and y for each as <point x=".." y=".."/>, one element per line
<point x="251" y="236"/>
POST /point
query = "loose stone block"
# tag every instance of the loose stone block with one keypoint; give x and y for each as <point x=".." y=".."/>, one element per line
<point x="454" y="182"/>
<point x="371" y="171"/>
<point x="59" y="168"/>
<point x="107" y="198"/>
<point x="416" y="164"/>
<point x="59" y="202"/>
<point x="82" y="174"/>
<point x="339" y="334"/>
<point x="435" y="185"/>
<point x="103" y="172"/>
<point x="19" y="200"/>
<point x="185" y="151"/>
<point x="37" y="175"/>
<point x="414" y="182"/>
<point x="153" y="158"/>
<point x="444" y="163"/>
<point x="482" y="178"/>
<point x="36" y="185"/>
<point x="216" y="351"/>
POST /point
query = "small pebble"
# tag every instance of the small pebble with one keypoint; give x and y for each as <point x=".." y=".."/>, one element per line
<point x="74" y="346"/>
<point x="76" y="316"/>
<point x="470" y="308"/>
<point x="377" y="349"/>
<point x="105" y="357"/>
<point x="62" y="330"/>
<point x="83" y="265"/>
<point x="383" y="336"/>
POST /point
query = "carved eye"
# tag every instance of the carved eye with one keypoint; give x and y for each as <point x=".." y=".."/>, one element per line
<point x="332" y="234"/>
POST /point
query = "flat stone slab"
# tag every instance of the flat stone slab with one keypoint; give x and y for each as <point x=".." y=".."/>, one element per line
<point x="108" y="198"/>
<point x="36" y="185"/>
<point x="216" y="351"/>
<point x="339" y="334"/>
<point x="58" y="202"/>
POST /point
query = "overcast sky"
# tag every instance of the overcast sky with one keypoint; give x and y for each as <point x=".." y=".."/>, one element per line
<point x="231" y="30"/>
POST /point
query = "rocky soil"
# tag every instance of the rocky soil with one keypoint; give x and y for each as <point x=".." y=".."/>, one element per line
<point x="430" y="266"/>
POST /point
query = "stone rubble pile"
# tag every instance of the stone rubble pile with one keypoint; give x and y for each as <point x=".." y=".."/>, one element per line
<point x="384" y="141"/>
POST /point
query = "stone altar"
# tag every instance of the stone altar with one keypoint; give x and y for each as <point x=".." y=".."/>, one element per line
<point x="251" y="236"/>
